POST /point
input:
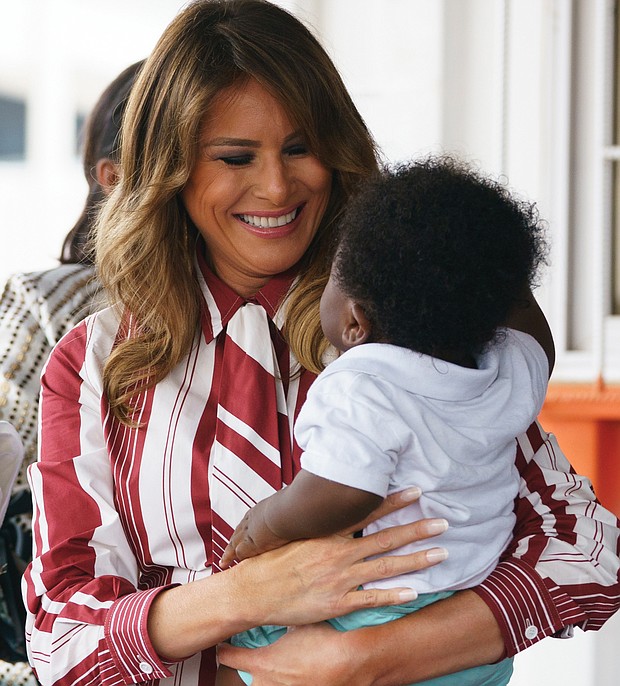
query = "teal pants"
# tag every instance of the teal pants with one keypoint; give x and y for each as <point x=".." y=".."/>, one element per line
<point x="497" y="674"/>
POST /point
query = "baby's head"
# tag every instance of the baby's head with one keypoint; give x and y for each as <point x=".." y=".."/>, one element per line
<point x="432" y="256"/>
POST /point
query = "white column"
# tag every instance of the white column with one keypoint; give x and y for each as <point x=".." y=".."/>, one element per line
<point x="473" y="84"/>
<point x="390" y="56"/>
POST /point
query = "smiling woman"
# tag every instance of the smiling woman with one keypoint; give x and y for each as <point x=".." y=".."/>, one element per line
<point x="161" y="414"/>
<point x="256" y="193"/>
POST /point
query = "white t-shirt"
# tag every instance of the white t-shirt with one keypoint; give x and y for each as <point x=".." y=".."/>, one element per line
<point x="382" y="418"/>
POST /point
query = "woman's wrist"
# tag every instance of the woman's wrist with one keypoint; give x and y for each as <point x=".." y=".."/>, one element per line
<point x="187" y="619"/>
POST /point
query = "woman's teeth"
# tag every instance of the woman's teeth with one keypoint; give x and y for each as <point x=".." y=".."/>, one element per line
<point x="269" y="222"/>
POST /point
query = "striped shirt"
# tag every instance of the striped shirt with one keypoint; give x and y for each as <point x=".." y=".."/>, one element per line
<point x="120" y="513"/>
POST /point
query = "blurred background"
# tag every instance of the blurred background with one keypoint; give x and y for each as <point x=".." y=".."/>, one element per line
<point x="527" y="89"/>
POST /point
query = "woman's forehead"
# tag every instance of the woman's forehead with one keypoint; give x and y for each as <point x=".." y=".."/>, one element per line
<point x="245" y="106"/>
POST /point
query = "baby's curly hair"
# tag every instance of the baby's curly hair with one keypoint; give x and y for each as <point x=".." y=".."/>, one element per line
<point x="437" y="255"/>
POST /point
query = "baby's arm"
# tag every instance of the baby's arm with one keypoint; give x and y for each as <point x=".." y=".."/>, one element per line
<point x="310" y="507"/>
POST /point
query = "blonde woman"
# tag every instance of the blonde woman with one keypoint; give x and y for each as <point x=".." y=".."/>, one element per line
<point x="166" y="416"/>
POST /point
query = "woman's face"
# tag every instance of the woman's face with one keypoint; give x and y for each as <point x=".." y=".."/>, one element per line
<point x="256" y="194"/>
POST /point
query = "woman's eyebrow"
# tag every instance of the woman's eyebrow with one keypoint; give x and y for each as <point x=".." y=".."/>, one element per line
<point x="245" y="142"/>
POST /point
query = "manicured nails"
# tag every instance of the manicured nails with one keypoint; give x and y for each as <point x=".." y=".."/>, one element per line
<point x="436" y="526"/>
<point x="410" y="495"/>
<point x="407" y="595"/>
<point x="436" y="555"/>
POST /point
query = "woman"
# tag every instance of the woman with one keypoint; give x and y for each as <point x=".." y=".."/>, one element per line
<point x="165" y="417"/>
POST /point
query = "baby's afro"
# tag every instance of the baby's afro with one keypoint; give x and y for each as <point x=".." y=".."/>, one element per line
<point x="437" y="255"/>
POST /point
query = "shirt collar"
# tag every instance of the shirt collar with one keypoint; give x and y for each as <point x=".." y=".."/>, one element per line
<point x="221" y="302"/>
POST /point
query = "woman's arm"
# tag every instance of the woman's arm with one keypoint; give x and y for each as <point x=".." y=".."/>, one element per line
<point x="443" y="637"/>
<point x="561" y="569"/>
<point x="309" y="507"/>
<point x="84" y="572"/>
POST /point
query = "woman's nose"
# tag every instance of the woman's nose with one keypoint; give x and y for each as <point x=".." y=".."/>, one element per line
<point x="275" y="182"/>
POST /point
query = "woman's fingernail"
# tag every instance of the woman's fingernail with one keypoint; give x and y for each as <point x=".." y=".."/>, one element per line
<point x="436" y="526"/>
<point x="436" y="554"/>
<point x="410" y="494"/>
<point x="407" y="595"/>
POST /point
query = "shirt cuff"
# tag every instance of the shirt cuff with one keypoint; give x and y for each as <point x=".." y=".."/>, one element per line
<point x="527" y="607"/>
<point x="127" y="638"/>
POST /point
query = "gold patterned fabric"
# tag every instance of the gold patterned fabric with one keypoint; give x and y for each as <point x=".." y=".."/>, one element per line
<point x="36" y="310"/>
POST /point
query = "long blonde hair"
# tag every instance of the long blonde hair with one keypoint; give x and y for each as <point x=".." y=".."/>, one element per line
<point x="145" y="240"/>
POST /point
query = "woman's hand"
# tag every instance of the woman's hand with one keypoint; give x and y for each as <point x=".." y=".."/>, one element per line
<point x="302" y="653"/>
<point x="308" y="581"/>
<point x="301" y="583"/>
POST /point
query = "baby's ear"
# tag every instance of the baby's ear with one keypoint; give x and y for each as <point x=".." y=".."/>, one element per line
<point x="359" y="327"/>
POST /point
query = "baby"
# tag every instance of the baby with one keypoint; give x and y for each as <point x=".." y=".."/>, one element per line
<point x="445" y="359"/>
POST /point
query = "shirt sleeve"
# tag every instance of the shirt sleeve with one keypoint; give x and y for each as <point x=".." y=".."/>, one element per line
<point x="345" y="434"/>
<point x="86" y="620"/>
<point x="562" y="568"/>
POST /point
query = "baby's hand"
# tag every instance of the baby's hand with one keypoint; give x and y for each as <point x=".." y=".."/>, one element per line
<point x="241" y="545"/>
<point x="251" y="537"/>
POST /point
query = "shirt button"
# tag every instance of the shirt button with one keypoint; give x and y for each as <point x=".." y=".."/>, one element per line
<point x="531" y="632"/>
<point x="145" y="667"/>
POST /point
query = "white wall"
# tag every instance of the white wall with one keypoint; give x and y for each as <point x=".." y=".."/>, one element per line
<point x="390" y="55"/>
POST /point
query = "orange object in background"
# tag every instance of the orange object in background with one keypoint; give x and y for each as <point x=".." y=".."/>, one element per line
<point x="586" y="421"/>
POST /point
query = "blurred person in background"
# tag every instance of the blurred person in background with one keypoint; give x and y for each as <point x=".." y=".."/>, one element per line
<point x="36" y="310"/>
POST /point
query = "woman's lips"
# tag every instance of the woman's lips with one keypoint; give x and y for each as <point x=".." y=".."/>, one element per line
<point x="271" y="225"/>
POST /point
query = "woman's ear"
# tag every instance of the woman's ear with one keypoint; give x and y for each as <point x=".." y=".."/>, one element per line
<point x="358" y="328"/>
<point x="106" y="173"/>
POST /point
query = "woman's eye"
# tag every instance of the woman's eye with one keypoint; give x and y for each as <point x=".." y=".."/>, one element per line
<point x="236" y="160"/>
<point x="297" y="149"/>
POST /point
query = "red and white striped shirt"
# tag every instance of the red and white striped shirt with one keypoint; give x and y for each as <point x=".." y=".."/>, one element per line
<point x="121" y="513"/>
